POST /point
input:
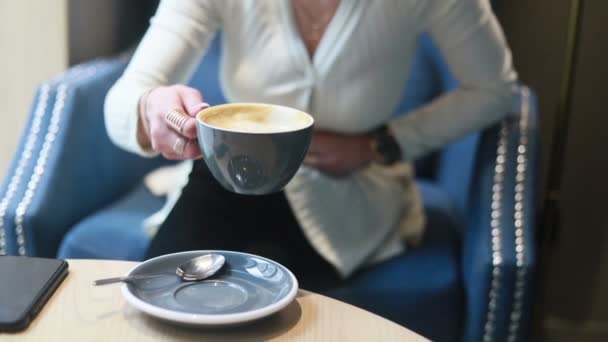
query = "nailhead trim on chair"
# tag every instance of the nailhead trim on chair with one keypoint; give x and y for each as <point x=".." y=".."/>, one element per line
<point x="34" y="180"/>
<point x="49" y="139"/>
<point x="497" y="193"/>
<point x="24" y="158"/>
<point x="497" y="188"/>
<point x="28" y="150"/>
<point x="522" y="149"/>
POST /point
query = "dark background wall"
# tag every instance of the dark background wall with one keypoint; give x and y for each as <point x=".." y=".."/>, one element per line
<point x="106" y="27"/>
<point x="560" y="49"/>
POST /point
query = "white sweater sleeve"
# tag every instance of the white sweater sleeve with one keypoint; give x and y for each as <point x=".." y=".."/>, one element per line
<point x="472" y="42"/>
<point x="169" y="53"/>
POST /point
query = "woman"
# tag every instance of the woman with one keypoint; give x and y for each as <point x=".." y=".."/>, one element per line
<point x="345" y="62"/>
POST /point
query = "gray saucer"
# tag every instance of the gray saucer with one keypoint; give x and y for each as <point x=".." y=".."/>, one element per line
<point x="248" y="287"/>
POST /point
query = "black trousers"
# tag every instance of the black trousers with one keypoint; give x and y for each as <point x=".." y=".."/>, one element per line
<point x="208" y="217"/>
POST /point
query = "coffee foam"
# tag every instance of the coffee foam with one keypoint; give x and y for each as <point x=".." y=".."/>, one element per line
<point x="255" y="118"/>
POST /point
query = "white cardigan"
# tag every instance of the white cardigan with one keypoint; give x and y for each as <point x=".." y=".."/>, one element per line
<point x="353" y="84"/>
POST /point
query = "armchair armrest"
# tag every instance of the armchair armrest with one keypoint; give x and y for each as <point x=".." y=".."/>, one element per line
<point x="65" y="167"/>
<point x="499" y="243"/>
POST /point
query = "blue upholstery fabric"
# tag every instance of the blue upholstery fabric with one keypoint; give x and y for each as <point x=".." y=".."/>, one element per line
<point x="24" y="161"/>
<point x="439" y="206"/>
<point x="74" y="164"/>
<point x="420" y="289"/>
<point x="115" y="232"/>
<point x="72" y="184"/>
<point x="457" y="164"/>
<point x="484" y="268"/>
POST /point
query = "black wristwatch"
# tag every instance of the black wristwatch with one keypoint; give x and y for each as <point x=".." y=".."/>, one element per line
<point x="385" y="146"/>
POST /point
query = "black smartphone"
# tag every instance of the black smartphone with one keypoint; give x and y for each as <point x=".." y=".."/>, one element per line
<point x="26" y="283"/>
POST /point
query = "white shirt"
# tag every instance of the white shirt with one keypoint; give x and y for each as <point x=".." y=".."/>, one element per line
<point x="352" y="84"/>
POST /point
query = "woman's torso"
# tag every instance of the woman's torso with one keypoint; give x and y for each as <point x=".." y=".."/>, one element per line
<point x="353" y="82"/>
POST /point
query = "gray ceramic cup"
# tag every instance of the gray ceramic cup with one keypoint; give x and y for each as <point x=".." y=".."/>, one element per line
<point x="253" y="148"/>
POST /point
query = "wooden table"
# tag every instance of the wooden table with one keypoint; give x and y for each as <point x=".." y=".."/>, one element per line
<point x="79" y="311"/>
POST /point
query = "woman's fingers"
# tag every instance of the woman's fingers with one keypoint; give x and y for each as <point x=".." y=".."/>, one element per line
<point x="171" y="144"/>
<point x="189" y="129"/>
<point x="181" y="122"/>
<point x="172" y="125"/>
<point x="326" y="164"/>
<point x="195" y="109"/>
<point x="320" y="161"/>
<point x="192" y="99"/>
<point x="192" y="103"/>
<point x="312" y="161"/>
<point x="191" y="151"/>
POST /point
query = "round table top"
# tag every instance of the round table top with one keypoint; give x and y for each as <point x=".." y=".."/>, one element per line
<point x="81" y="311"/>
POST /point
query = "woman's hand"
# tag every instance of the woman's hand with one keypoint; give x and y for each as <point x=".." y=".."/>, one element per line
<point x="154" y="132"/>
<point x="337" y="154"/>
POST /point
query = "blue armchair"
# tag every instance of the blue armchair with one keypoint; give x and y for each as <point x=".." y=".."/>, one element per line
<point x="70" y="193"/>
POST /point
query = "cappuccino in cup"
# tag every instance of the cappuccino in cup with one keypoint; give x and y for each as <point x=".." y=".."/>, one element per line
<point x="255" y="118"/>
